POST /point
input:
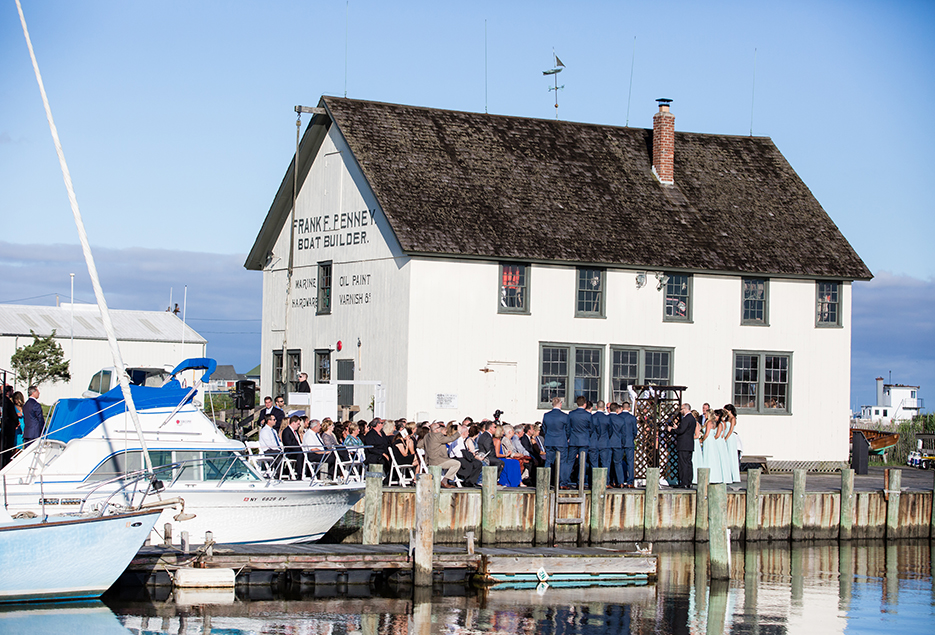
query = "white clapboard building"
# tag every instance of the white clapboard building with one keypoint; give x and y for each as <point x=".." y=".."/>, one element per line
<point x="473" y="262"/>
<point x="147" y="339"/>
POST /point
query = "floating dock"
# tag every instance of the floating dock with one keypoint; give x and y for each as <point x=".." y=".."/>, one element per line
<point x="363" y="564"/>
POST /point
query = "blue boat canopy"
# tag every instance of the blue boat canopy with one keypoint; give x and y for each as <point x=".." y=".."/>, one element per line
<point x="75" y="418"/>
<point x="196" y="363"/>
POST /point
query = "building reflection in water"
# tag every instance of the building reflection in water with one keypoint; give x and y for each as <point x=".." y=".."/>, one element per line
<point x="814" y="588"/>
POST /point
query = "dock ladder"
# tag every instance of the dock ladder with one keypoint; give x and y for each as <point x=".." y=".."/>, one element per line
<point x="576" y="498"/>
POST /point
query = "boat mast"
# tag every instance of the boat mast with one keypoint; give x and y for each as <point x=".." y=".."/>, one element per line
<point x="88" y="257"/>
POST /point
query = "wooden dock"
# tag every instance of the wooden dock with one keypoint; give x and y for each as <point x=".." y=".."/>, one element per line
<point x="363" y="564"/>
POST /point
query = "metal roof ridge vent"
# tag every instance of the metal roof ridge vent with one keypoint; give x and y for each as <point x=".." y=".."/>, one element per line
<point x="664" y="143"/>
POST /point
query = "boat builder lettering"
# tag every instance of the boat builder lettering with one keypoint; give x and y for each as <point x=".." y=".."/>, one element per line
<point x="331" y="230"/>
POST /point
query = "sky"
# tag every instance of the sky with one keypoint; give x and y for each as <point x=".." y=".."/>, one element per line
<point x="177" y="121"/>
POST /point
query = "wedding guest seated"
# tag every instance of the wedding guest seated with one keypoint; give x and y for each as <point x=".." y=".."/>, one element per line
<point x="512" y="474"/>
<point x="435" y="444"/>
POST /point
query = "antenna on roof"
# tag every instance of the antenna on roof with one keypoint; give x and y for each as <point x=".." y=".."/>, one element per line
<point x="485" y="66"/>
<point x="753" y="92"/>
<point x="630" y="94"/>
<point x="554" y="71"/>
<point x="347" y="10"/>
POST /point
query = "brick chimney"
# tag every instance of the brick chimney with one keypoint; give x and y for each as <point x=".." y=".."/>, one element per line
<point x="664" y="143"/>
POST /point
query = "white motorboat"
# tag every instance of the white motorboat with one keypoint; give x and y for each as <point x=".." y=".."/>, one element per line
<point x="90" y="449"/>
<point x="68" y="557"/>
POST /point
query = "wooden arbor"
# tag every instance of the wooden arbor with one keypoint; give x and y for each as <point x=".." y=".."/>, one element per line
<point x="656" y="408"/>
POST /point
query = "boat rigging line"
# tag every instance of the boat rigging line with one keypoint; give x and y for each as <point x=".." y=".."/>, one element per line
<point x="86" y="250"/>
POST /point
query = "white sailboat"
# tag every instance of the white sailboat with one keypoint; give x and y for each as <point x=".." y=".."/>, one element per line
<point x="92" y="446"/>
<point x="68" y="557"/>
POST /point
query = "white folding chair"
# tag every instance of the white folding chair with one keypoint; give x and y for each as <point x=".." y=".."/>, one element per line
<point x="401" y="475"/>
<point x="350" y="469"/>
<point x="263" y="463"/>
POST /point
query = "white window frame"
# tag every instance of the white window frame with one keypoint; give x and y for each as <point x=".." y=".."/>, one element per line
<point x="571" y="371"/>
<point x="744" y="299"/>
<point x="602" y="292"/>
<point x="619" y="394"/>
<point x="689" y="282"/>
<point x="509" y="293"/>
<point x="760" y="382"/>
<point x="826" y="301"/>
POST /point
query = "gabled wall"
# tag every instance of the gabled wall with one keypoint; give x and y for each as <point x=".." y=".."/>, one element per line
<point x="339" y="220"/>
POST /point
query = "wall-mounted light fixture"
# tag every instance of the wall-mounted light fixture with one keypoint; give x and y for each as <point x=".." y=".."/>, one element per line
<point x="640" y="279"/>
<point x="662" y="280"/>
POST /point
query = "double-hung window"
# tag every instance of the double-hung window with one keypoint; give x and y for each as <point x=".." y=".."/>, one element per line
<point x="828" y="304"/>
<point x="589" y="297"/>
<point x="286" y="379"/>
<point x="322" y="366"/>
<point x="755" y="301"/>
<point x="633" y="365"/>
<point x="678" y="298"/>
<point x="514" y="288"/>
<point x="324" y="288"/>
<point x="579" y="366"/>
<point x="762" y="382"/>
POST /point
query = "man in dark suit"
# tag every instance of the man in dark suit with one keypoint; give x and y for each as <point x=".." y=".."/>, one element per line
<point x="303" y="384"/>
<point x="485" y="444"/>
<point x="33" y="419"/>
<point x="555" y="437"/>
<point x="292" y="446"/>
<point x="615" y="445"/>
<point x="8" y="424"/>
<point x="628" y="434"/>
<point x="599" y="446"/>
<point x="270" y="409"/>
<point x="685" y="445"/>
<point x="579" y="433"/>
<point x="378" y="450"/>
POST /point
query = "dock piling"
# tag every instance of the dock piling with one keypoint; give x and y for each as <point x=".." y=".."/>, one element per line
<point x="846" y="522"/>
<point x="651" y="503"/>
<point x="598" y="496"/>
<point x="436" y="472"/>
<point x="701" y="504"/>
<point x="184" y="538"/>
<point x="373" y="505"/>
<point x="167" y="534"/>
<point x="718" y="543"/>
<point x="489" y="505"/>
<point x="798" y="504"/>
<point x="894" y="480"/>
<point x="425" y="534"/>
<point x="542" y="505"/>
<point x="752" y="520"/>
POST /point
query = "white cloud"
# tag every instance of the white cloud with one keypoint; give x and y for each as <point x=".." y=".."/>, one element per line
<point x="894" y="331"/>
<point x="223" y="298"/>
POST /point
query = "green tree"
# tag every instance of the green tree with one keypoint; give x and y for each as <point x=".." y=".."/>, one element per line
<point x="41" y="361"/>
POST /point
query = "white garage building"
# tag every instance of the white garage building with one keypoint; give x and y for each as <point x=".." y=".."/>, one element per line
<point x="474" y="262"/>
<point x="150" y="339"/>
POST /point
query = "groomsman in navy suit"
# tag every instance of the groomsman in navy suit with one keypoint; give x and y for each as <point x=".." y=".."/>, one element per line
<point x="599" y="452"/>
<point x="628" y="434"/>
<point x="579" y="433"/>
<point x="555" y="436"/>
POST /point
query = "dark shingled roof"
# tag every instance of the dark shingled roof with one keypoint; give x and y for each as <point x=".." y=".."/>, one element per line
<point x="499" y="187"/>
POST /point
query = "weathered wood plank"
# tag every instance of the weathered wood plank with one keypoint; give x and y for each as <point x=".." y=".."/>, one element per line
<point x="495" y="564"/>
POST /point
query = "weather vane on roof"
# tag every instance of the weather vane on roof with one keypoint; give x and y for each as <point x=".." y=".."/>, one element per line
<point x="554" y="71"/>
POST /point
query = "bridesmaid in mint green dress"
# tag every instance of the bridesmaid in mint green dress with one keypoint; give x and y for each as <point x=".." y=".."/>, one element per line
<point x="711" y="450"/>
<point x="730" y="421"/>
<point x="720" y="444"/>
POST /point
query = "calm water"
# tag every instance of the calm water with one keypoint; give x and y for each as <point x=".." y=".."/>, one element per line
<point x="820" y="588"/>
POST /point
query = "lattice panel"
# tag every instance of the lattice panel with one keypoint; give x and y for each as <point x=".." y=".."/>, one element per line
<point x="656" y="408"/>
